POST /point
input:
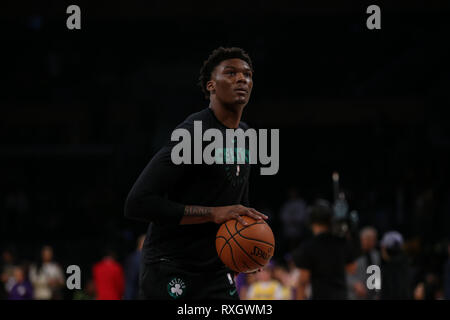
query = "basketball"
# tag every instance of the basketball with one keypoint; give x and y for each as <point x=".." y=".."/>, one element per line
<point x="245" y="248"/>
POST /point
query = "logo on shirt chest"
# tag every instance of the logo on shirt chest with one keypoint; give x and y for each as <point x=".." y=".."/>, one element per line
<point x="232" y="155"/>
<point x="237" y="143"/>
<point x="236" y="164"/>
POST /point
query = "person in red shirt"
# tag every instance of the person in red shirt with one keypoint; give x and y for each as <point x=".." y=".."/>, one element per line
<point x="109" y="278"/>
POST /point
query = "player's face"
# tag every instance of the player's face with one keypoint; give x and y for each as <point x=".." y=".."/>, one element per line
<point x="231" y="82"/>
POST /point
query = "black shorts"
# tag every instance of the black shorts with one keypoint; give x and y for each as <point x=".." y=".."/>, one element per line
<point x="166" y="281"/>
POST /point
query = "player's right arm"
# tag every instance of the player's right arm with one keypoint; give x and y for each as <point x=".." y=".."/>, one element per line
<point x="148" y="201"/>
<point x="199" y="214"/>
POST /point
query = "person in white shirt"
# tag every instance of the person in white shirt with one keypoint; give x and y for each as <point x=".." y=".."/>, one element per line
<point x="266" y="287"/>
<point x="47" y="277"/>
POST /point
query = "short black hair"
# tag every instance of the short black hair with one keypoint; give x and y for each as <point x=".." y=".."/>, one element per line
<point x="321" y="213"/>
<point x="215" y="58"/>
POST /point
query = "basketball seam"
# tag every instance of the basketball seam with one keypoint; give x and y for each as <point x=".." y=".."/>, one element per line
<point x="226" y="242"/>
<point x="262" y="241"/>
<point x="232" y="237"/>
<point x="231" y="251"/>
<point x="245" y="227"/>
<point x="232" y="256"/>
<point x="239" y="232"/>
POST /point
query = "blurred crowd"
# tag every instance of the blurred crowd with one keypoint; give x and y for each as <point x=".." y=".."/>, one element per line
<point x="406" y="268"/>
<point x="401" y="279"/>
<point x="45" y="279"/>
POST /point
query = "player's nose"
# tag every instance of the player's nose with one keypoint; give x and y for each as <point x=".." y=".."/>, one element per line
<point x="241" y="78"/>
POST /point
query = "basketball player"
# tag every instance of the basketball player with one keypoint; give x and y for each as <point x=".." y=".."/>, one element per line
<point x="187" y="203"/>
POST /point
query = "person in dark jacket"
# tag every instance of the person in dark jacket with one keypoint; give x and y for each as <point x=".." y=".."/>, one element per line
<point x="396" y="278"/>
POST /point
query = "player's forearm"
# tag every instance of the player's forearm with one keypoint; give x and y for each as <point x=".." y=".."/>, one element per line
<point x="196" y="214"/>
<point x="153" y="207"/>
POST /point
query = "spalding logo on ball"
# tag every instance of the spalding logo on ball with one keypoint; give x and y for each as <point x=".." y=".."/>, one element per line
<point x="245" y="248"/>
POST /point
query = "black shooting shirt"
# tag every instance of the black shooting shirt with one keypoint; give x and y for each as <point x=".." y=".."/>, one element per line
<point x="163" y="189"/>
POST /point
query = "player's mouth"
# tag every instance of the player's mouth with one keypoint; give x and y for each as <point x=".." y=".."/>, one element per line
<point x="241" y="91"/>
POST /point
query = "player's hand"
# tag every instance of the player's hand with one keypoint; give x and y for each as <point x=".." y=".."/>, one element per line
<point x="221" y="214"/>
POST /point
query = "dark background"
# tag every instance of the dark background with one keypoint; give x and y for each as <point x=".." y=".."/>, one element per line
<point x="83" y="111"/>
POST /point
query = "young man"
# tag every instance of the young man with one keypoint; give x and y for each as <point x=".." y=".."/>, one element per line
<point x="186" y="203"/>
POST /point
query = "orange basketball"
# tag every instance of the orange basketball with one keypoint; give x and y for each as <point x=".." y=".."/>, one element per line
<point x="245" y="248"/>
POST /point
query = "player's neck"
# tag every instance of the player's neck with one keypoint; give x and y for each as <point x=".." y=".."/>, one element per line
<point x="229" y="116"/>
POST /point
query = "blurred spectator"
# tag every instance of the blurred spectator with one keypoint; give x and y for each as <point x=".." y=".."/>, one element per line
<point x="429" y="289"/>
<point x="287" y="280"/>
<point x="22" y="289"/>
<point x="132" y="271"/>
<point x="109" y="278"/>
<point x="396" y="277"/>
<point x="266" y="287"/>
<point x="294" y="275"/>
<point x="7" y="272"/>
<point x="47" y="277"/>
<point x="369" y="256"/>
<point x="323" y="260"/>
<point x="293" y="216"/>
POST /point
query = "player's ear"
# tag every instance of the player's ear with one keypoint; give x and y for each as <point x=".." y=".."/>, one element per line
<point x="211" y="86"/>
